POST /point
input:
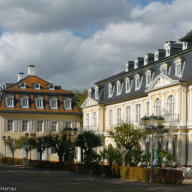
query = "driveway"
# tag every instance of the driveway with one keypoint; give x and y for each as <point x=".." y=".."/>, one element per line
<point x="33" y="179"/>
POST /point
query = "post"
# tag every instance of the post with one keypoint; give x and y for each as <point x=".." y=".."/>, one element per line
<point x="151" y="171"/>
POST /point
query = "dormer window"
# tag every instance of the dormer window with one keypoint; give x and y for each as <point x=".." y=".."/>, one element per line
<point x="119" y="88"/>
<point x="163" y="69"/>
<point x="185" y="45"/>
<point x="10" y="101"/>
<point x="137" y="82"/>
<point x="24" y="102"/>
<point x="50" y="86"/>
<point x="96" y="92"/>
<point x="127" y="85"/>
<point x="39" y="102"/>
<point x="156" y="56"/>
<point x="110" y="90"/>
<point x="178" y="67"/>
<point x="36" y="86"/>
<point x="22" y="85"/>
<point x="53" y="103"/>
<point x="148" y="77"/>
<point x="67" y="104"/>
<point x="136" y="64"/>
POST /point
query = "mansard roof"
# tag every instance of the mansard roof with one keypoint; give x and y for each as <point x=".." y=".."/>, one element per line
<point x="154" y="67"/>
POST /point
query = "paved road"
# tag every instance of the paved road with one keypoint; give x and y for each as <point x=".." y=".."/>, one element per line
<point x="39" y="180"/>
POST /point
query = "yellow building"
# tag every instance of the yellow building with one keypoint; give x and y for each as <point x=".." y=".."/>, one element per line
<point x="159" y="83"/>
<point x="33" y="105"/>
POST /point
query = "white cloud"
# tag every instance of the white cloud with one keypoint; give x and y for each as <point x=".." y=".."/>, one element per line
<point x="63" y="58"/>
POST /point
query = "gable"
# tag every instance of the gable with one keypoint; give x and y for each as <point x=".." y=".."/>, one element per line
<point x="161" y="81"/>
<point x="89" y="102"/>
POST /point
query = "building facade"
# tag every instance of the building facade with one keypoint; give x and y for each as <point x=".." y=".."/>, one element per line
<point x="33" y="105"/>
<point x="159" y="83"/>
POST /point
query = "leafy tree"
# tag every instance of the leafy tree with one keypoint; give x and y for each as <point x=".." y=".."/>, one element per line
<point x="89" y="141"/>
<point x="27" y="143"/>
<point x="12" y="144"/>
<point x="127" y="138"/>
<point x="134" y="157"/>
<point x="113" y="156"/>
<point x="163" y="157"/>
<point x="41" y="143"/>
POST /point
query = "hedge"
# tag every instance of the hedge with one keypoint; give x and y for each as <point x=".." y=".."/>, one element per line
<point x="164" y="176"/>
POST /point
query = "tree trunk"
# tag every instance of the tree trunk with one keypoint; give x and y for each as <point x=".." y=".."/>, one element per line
<point x="40" y="153"/>
<point x="122" y="158"/>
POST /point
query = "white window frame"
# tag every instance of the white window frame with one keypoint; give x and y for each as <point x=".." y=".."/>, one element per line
<point x="67" y="104"/>
<point x="68" y="124"/>
<point x="164" y="69"/>
<point x="148" y="78"/>
<point x="23" y="124"/>
<point x="138" y="113"/>
<point x="94" y="119"/>
<point x="12" y="124"/>
<point x="110" y="118"/>
<point x="138" y="82"/>
<point x="38" y="124"/>
<point x="37" y="86"/>
<point x="170" y="105"/>
<point x="96" y="92"/>
<point x="128" y="84"/>
<point x="87" y="120"/>
<point x="53" y="101"/>
<point x="157" y="107"/>
<point x="119" y="87"/>
<point x="54" y="123"/>
<point x="119" y="118"/>
<point x="24" y="100"/>
<point x="22" y="85"/>
<point x="147" y="109"/>
<point x="110" y="90"/>
<point x="128" y="114"/>
<point x="178" y="64"/>
<point x="39" y="103"/>
<point x="10" y="101"/>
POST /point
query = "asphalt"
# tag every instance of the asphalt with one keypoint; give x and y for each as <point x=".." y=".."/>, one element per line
<point x="33" y="179"/>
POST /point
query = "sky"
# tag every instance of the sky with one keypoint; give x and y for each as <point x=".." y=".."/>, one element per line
<point x="77" y="43"/>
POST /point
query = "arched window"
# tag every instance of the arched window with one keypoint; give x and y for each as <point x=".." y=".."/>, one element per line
<point x="170" y="105"/>
<point x="157" y="107"/>
<point x="25" y="102"/>
<point x="53" y="103"/>
<point x="94" y="120"/>
<point x="10" y="101"/>
<point x="87" y="120"/>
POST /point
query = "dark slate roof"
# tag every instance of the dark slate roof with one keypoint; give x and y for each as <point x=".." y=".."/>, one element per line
<point x="186" y="57"/>
<point x="187" y="37"/>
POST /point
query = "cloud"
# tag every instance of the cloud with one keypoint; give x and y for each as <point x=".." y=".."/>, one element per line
<point x="66" y="59"/>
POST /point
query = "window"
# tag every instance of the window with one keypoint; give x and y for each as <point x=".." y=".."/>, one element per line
<point x="138" y="112"/>
<point x="53" y="151"/>
<point x="36" y="86"/>
<point x="147" y="109"/>
<point x="50" y="86"/>
<point x="39" y="103"/>
<point x="148" y="77"/>
<point x="170" y="105"/>
<point x="118" y="116"/>
<point x="137" y="82"/>
<point x="24" y="102"/>
<point x="54" y="126"/>
<point x="87" y="120"/>
<point x="9" y="125"/>
<point x="96" y="92"/>
<point x="110" y="118"/>
<point x="39" y="125"/>
<point x="163" y="69"/>
<point x="178" y="69"/>
<point x="10" y="101"/>
<point x="127" y="85"/>
<point x="67" y="104"/>
<point x="157" y="107"/>
<point x="128" y="114"/>
<point x="118" y="87"/>
<point x="110" y="90"/>
<point x="25" y="125"/>
<point x="22" y="85"/>
<point x="53" y="103"/>
<point x="68" y="124"/>
<point x="94" y="119"/>
<point x="168" y="52"/>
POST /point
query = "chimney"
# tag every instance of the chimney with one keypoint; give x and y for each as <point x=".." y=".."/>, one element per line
<point x="20" y="76"/>
<point x="31" y="70"/>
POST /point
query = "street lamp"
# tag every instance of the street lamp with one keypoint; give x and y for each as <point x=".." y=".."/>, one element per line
<point x="152" y="123"/>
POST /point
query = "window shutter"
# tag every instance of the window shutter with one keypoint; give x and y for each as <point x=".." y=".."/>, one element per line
<point x="5" y="125"/>
<point x="30" y="126"/>
<point x="20" y="125"/>
<point x="15" y="125"/>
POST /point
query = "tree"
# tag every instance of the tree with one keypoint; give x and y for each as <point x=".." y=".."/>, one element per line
<point x="26" y="143"/>
<point x="89" y="141"/>
<point x="163" y="157"/>
<point x="127" y="137"/>
<point x="65" y="149"/>
<point x="113" y="156"/>
<point x="41" y="143"/>
<point x="12" y="144"/>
